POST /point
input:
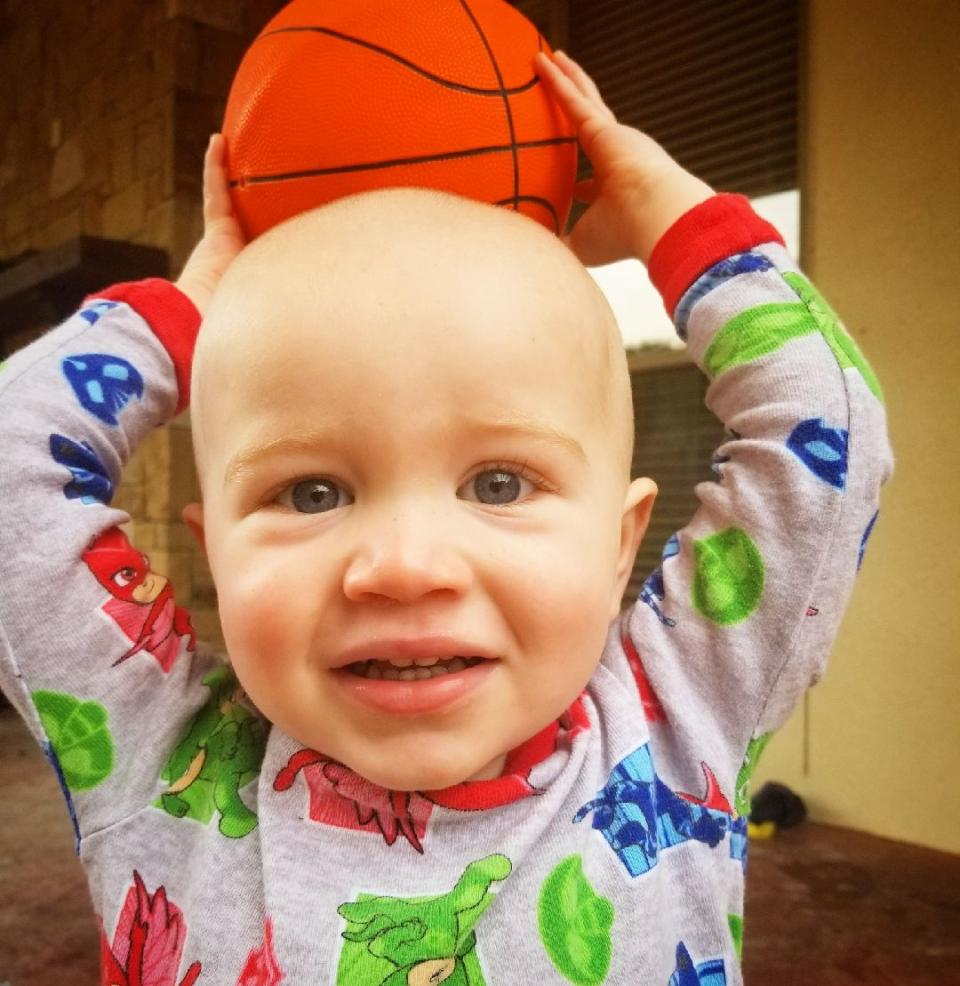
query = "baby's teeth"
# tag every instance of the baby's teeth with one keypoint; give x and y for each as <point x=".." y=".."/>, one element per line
<point x="378" y="670"/>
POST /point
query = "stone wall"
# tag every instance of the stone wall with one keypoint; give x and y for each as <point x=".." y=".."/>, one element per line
<point x="105" y="109"/>
<point x="85" y="122"/>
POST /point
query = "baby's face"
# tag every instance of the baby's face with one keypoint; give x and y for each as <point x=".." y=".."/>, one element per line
<point x="414" y="499"/>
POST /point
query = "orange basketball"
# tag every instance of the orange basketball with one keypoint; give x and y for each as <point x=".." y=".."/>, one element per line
<point x="341" y="96"/>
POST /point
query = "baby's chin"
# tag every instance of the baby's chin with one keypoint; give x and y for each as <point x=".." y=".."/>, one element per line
<point x="426" y="774"/>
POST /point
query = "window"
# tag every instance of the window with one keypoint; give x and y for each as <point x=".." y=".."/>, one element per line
<point x="715" y="82"/>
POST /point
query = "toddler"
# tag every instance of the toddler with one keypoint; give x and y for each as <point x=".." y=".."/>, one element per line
<point x="439" y="753"/>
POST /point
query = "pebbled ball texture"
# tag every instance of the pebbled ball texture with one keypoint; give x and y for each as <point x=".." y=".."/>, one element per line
<point x="334" y="98"/>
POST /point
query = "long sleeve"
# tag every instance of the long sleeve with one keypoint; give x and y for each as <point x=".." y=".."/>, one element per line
<point x="94" y="652"/>
<point x="739" y="619"/>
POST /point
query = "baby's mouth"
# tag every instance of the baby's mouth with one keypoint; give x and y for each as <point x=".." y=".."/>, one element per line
<point x="391" y="672"/>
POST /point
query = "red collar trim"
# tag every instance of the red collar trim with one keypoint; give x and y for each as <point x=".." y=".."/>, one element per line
<point x="514" y="783"/>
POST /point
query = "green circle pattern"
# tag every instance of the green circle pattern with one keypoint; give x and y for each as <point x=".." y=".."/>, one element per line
<point x="728" y="577"/>
<point x="575" y="924"/>
<point x="735" y="923"/>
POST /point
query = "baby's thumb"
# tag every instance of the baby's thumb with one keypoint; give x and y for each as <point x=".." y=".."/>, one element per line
<point x="216" y="194"/>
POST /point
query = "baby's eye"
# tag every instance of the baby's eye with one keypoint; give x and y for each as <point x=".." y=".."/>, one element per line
<point x="496" y="487"/>
<point x="314" y="496"/>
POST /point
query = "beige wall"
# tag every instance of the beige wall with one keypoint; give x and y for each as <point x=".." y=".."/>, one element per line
<point x="881" y="236"/>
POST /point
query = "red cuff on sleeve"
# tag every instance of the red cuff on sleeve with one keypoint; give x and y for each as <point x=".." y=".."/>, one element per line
<point x="172" y="316"/>
<point x="708" y="233"/>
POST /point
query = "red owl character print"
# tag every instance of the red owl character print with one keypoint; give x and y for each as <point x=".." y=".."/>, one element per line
<point x="141" y="602"/>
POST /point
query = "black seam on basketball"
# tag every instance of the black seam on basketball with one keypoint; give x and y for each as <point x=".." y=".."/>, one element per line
<point x="447" y="83"/>
<point x="546" y="203"/>
<point x="506" y="101"/>
<point x="397" y="162"/>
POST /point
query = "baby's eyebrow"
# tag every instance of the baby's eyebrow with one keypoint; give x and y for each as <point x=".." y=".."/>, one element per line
<point x="240" y="462"/>
<point x="528" y="430"/>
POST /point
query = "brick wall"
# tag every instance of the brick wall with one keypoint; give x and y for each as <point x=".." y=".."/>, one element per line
<point x="105" y="109"/>
<point x="86" y="123"/>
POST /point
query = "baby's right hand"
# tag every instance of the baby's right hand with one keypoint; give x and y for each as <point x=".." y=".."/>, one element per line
<point x="222" y="236"/>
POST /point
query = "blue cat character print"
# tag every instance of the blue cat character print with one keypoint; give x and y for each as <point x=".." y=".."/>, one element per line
<point x="639" y="815"/>
<point x="90" y="482"/>
<point x="740" y="263"/>
<point x="653" y="591"/>
<point x="709" y="973"/>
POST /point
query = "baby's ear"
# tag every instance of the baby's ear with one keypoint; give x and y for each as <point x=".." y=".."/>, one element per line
<point x="637" y="506"/>
<point x="193" y="518"/>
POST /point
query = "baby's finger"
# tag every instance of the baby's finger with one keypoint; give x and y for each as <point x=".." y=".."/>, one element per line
<point x="577" y="106"/>
<point x="582" y="81"/>
<point x="216" y="196"/>
<point x="574" y="71"/>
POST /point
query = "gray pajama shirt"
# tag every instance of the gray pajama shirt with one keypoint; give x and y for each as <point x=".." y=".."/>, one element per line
<point x="613" y="848"/>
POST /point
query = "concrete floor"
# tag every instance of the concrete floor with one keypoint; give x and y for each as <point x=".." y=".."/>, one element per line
<point x="831" y="907"/>
<point x="825" y="907"/>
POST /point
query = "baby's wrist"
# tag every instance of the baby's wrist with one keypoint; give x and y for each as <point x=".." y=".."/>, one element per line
<point x="196" y="289"/>
<point x="173" y="316"/>
<point x="665" y="197"/>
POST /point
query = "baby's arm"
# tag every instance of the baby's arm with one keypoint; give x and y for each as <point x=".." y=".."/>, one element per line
<point x="94" y="653"/>
<point x="741" y="616"/>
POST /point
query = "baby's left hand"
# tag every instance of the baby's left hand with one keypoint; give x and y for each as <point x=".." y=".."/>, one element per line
<point x="638" y="191"/>
<point x="222" y="237"/>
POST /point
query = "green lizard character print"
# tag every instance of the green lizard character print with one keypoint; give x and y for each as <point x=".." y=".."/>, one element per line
<point x="420" y="941"/>
<point x="220" y="753"/>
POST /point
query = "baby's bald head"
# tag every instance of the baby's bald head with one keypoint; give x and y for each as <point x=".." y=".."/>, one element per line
<point x="359" y="276"/>
<point x="413" y="423"/>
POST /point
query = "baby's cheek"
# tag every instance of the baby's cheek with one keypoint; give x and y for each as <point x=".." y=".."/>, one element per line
<point x="568" y="609"/>
<point x="258" y="612"/>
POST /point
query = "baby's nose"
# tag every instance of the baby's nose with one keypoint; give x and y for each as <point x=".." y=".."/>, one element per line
<point x="405" y="559"/>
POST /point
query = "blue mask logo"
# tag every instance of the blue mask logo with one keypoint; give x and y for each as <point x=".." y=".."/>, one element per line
<point x="91" y="314"/>
<point x="822" y="450"/>
<point x="104" y="385"/>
